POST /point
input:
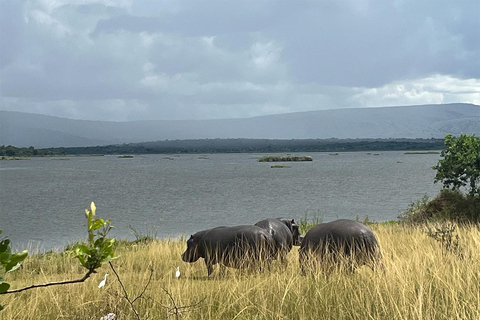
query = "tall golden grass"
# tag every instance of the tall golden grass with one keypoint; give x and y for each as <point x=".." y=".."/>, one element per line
<point x="422" y="280"/>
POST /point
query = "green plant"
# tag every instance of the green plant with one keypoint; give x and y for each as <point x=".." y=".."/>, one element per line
<point x="99" y="249"/>
<point x="305" y="224"/>
<point x="446" y="235"/>
<point x="460" y="165"/>
<point x="416" y="212"/>
<point x="148" y="235"/>
<point x="8" y="262"/>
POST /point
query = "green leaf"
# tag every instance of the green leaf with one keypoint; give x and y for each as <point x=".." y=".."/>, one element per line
<point x="4" y="287"/>
<point x="4" y="245"/>
<point x="4" y="258"/>
<point x="81" y="249"/>
<point x="15" y="260"/>
<point x="97" y="224"/>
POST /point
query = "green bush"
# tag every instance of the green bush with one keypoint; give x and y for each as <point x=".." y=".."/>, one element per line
<point x="448" y="205"/>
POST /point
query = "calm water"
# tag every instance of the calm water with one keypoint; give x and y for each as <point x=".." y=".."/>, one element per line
<point x="43" y="200"/>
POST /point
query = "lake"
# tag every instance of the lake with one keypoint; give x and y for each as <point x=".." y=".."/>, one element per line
<point x="43" y="200"/>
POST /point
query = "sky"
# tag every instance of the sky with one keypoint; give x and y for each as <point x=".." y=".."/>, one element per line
<point x="123" y="60"/>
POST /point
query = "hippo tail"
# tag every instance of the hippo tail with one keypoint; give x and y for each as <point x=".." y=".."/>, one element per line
<point x="268" y="244"/>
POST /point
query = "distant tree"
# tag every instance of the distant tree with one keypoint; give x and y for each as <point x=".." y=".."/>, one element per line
<point x="10" y="151"/>
<point x="460" y="165"/>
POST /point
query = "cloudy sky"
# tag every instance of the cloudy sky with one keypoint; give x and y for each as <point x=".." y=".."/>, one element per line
<point x="151" y="59"/>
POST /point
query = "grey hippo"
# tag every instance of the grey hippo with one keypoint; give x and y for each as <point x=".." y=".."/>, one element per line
<point x="340" y="243"/>
<point x="238" y="247"/>
<point x="284" y="232"/>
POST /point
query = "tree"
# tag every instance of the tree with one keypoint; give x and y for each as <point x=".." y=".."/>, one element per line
<point x="460" y="165"/>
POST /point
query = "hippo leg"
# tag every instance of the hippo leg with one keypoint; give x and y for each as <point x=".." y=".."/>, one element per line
<point x="376" y="263"/>
<point x="283" y="257"/>
<point x="209" y="267"/>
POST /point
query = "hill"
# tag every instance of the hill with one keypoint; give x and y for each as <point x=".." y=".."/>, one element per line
<point x="425" y="121"/>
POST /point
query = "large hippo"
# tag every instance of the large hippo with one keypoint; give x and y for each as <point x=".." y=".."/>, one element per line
<point x="340" y="243"/>
<point x="237" y="247"/>
<point x="284" y="232"/>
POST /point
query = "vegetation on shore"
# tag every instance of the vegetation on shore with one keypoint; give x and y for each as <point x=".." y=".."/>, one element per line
<point x="448" y="205"/>
<point x="422" y="152"/>
<point x="458" y="170"/>
<point x="235" y="146"/>
<point x="14" y="158"/>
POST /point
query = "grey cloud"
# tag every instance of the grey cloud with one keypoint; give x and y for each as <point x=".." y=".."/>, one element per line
<point x="220" y="58"/>
<point x="374" y="47"/>
<point x="11" y="23"/>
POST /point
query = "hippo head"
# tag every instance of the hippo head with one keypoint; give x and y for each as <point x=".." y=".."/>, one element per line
<point x="290" y="223"/>
<point x="297" y="236"/>
<point x="192" y="253"/>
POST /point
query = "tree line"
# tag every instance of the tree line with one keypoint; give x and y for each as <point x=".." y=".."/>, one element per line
<point x="236" y="146"/>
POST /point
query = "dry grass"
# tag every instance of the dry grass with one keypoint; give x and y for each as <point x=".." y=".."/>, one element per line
<point x="422" y="281"/>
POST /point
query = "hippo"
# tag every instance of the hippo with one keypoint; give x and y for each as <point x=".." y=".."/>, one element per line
<point x="237" y="247"/>
<point x="327" y="245"/>
<point x="285" y="234"/>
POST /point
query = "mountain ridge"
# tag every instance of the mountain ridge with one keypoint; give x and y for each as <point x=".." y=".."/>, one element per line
<point x="423" y="121"/>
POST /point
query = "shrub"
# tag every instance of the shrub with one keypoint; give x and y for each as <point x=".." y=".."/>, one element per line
<point x="446" y="235"/>
<point x="448" y="205"/>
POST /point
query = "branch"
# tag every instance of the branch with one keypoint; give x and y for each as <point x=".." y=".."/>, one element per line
<point x="125" y="291"/>
<point x="177" y="310"/>
<point x="33" y="286"/>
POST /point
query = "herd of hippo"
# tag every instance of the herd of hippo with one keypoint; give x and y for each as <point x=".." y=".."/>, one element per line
<point x="324" y="246"/>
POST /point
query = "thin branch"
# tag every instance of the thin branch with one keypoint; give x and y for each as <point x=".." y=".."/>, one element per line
<point x="33" y="286"/>
<point x="146" y="286"/>
<point x="171" y="298"/>
<point x="125" y="291"/>
<point x="177" y="310"/>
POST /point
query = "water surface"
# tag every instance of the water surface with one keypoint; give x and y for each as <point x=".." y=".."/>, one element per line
<point x="43" y="200"/>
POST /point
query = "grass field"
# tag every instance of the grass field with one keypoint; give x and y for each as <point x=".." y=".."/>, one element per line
<point x="422" y="280"/>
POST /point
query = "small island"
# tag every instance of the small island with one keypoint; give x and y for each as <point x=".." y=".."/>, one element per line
<point x="280" y="166"/>
<point x="422" y="152"/>
<point x="14" y="158"/>
<point x="287" y="157"/>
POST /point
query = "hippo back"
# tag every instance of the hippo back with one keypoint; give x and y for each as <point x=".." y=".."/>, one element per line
<point x="339" y="239"/>
<point x="280" y="233"/>
<point x="339" y="233"/>
<point x="236" y="246"/>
